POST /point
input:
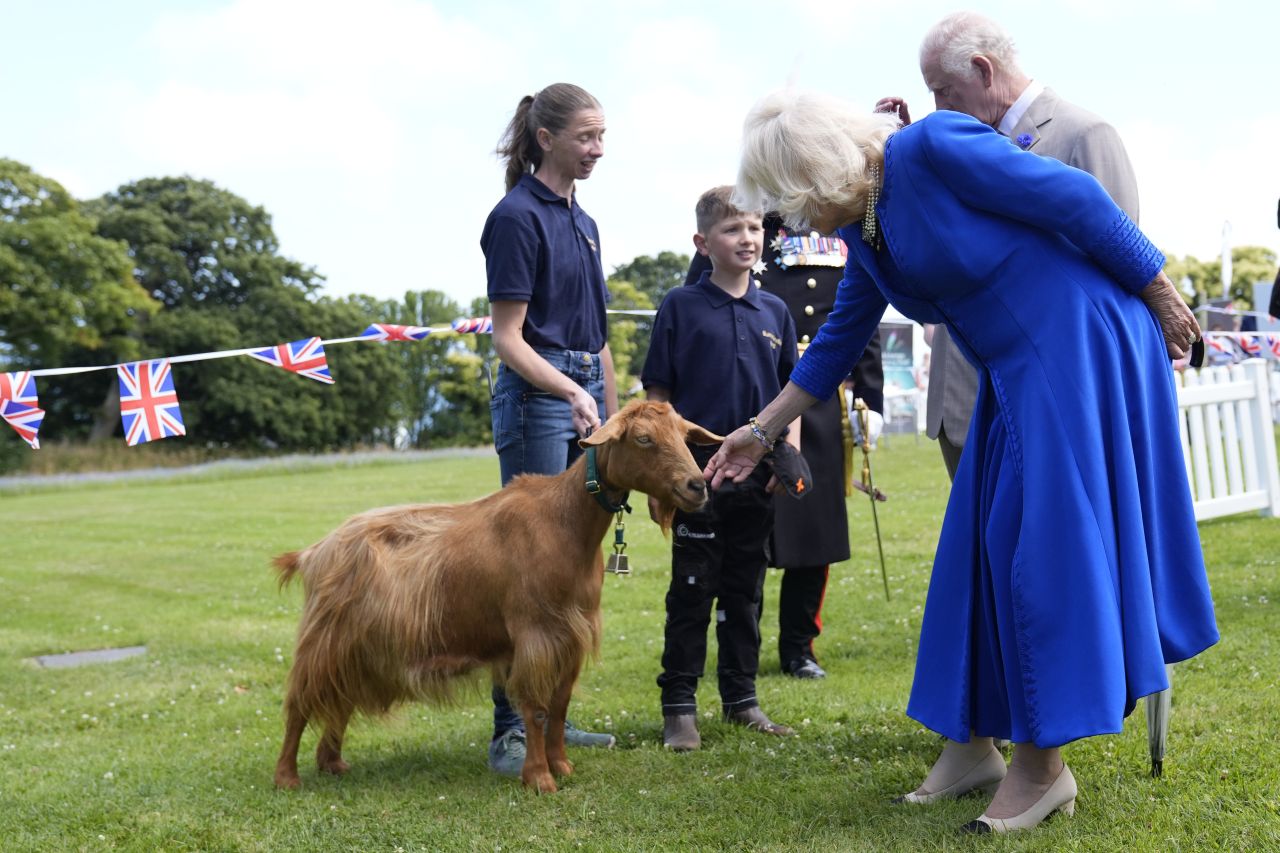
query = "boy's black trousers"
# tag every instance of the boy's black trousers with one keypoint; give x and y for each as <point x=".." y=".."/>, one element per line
<point x="718" y="556"/>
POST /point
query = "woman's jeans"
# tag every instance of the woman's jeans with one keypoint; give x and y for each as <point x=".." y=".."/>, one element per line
<point x="533" y="434"/>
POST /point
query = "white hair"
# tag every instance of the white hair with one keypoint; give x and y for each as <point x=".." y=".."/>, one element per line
<point x="802" y="150"/>
<point x="958" y="38"/>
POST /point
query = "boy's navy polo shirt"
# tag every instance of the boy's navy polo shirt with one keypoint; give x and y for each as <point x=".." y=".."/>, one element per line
<point x="721" y="359"/>
<point x="541" y="250"/>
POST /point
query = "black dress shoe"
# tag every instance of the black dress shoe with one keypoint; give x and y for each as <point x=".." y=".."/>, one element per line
<point x="805" y="668"/>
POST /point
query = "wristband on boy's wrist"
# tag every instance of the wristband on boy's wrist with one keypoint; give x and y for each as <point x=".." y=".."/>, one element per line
<point x="760" y="434"/>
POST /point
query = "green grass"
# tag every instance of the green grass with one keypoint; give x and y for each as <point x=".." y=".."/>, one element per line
<point x="175" y="750"/>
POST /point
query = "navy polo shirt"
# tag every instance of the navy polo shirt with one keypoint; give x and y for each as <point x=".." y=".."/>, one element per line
<point x="540" y="249"/>
<point x="720" y="358"/>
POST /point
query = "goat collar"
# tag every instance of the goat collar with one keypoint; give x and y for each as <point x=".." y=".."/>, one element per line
<point x="596" y="486"/>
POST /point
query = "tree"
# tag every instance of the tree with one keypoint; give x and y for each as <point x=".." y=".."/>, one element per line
<point x="213" y="260"/>
<point x="1249" y="265"/>
<point x="654" y="275"/>
<point x="640" y="284"/>
<point x="65" y="292"/>
<point x="194" y="243"/>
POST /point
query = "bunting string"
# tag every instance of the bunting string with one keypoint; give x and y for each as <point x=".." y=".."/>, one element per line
<point x="149" y="408"/>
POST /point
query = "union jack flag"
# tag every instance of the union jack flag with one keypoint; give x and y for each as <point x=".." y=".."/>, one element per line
<point x="1252" y="346"/>
<point x="479" y="325"/>
<point x="23" y="418"/>
<point x="148" y="402"/>
<point x="1273" y="345"/>
<point x="388" y="332"/>
<point x="19" y="387"/>
<point x="304" y="357"/>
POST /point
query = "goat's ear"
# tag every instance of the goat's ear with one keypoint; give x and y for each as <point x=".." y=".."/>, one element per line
<point x="695" y="434"/>
<point x="610" y="430"/>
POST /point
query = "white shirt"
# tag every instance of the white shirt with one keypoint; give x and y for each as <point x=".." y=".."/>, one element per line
<point x="1014" y="114"/>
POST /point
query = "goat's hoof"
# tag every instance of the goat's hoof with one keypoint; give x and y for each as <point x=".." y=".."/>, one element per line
<point x="542" y="783"/>
<point x="337" y="767"/>
<point x="561" y="767"/>
<point x="288" y="781"/>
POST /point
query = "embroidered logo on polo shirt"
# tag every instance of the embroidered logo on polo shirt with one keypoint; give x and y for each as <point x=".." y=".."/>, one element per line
<point x="774" y="340"/>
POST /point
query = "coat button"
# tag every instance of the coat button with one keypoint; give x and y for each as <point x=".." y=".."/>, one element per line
<point x="812" y="283"/>
<point x="804" y="339"/>
<point x="756" y="282"/>
<point x="808" y="310"/>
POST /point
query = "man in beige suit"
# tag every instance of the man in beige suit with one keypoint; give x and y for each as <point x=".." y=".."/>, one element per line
<point x="970" y="65"/>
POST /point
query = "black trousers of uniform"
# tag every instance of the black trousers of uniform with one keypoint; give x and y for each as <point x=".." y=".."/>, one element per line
<point x="718" y="555"/>
<point x="800" y="612"/>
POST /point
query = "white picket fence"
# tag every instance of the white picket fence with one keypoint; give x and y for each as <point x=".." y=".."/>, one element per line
<point x="1228" y="443"/>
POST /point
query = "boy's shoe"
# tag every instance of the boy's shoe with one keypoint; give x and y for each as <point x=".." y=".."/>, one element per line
<point x="754" y="718"/>
<point x="680" y="732"/>
<point x="805" y="668"/>
<point x="574" y="736"/>
<point x="506" y="753"/>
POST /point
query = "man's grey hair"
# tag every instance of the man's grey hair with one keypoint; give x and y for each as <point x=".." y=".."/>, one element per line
<point x="958" y="38"/>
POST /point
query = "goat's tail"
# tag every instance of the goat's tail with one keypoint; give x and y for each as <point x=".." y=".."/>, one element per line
<point x="286" y="567"/>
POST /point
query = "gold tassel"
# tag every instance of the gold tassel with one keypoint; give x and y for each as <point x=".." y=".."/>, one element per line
<point x="846" y="430"/>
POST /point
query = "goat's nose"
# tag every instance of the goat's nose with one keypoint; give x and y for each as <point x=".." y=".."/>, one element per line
<point x="696" y="485"/>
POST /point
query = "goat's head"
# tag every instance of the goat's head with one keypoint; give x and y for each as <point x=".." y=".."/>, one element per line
<point x="643" y="448"/>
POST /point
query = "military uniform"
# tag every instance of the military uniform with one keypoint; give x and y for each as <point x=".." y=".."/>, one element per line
<point x="809" y="535"/>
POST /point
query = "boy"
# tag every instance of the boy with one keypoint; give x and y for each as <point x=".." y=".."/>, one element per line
<point x="721" y="349"/>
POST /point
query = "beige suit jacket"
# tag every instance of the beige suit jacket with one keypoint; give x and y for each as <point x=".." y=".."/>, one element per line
<point x="1078" y="138"/>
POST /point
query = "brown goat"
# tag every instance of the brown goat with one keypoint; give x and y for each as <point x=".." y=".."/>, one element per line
<point x="401" y="600"/>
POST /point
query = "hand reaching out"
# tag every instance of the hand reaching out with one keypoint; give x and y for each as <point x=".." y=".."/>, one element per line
<point x="895" y="105"/>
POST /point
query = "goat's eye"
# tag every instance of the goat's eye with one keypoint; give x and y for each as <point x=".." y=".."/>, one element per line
<point x="643" y="439"/>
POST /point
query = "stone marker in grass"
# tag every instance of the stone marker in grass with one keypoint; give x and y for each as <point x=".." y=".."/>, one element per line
<point x="71" y="659"/>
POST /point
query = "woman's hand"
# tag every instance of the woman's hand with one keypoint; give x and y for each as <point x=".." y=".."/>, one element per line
<point x="1176" y="320"/>
<point x="736" y="458"/>
<point x="586" y="415"/>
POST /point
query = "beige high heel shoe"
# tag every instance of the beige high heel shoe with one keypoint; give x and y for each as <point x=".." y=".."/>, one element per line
<point x="986" y="774"/>
<point x="1061" y="797"/>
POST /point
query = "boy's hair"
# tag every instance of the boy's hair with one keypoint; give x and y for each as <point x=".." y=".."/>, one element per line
<point x="717" y="204"/>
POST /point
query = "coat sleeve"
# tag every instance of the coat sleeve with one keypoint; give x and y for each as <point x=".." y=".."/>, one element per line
<point x="987" y="172"/>
<point x="840" y="342"/>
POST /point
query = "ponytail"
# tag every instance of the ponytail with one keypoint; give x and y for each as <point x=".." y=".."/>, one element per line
<point x="552" y="108"/>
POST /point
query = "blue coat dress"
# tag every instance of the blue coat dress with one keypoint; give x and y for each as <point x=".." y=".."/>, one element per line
<point x="1069" y="568"/>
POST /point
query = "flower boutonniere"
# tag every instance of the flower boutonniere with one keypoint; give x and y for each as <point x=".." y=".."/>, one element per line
<point x="1024" y="141"/>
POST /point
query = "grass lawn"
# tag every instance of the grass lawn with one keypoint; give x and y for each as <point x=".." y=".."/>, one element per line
<point x="175" y="750"/>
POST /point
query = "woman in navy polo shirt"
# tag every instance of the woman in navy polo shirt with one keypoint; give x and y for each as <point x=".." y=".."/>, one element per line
<point x="547" y="296"/>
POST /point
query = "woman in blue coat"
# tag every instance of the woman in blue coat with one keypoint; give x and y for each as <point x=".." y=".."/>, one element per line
<point x="1069" y="569"/>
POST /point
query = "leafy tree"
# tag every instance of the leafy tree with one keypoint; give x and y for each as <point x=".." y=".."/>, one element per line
<point x="213" y="260"/>
<point x="464" y="381"/>
<point x="66" y="293"/>
<point x="628" y="337"/>
<point x="639" y="284"/>
<point x="654" y="275"/>
<point x="1249" y="265"/>
<point x="194" y="243"/>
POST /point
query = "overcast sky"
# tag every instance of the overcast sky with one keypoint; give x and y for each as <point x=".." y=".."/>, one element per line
<point x="366" y="129"/>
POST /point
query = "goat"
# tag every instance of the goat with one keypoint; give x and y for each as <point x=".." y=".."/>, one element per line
<point x="399" y="601"/>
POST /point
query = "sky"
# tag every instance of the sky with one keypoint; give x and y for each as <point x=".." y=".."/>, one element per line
<point x="367" y="130"/>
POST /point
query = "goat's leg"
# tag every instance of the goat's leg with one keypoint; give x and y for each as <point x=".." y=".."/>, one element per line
<point x="329" y="750"/>
<point x="287" y="764"/>
<point x="557" y="760"/>
<point x="536" y="774"/>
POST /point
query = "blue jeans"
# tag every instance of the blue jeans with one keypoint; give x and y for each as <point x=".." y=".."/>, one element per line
<point x="533" y="434"/>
